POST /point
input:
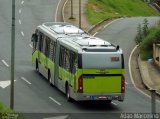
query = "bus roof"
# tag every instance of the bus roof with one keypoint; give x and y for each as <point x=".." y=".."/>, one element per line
<point x="61" y="29"/>
<point x="90" y="44"/>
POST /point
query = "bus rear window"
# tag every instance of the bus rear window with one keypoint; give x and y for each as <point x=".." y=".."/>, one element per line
<point x="97" y="61"/>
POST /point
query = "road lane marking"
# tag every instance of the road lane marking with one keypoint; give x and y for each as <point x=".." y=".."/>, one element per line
<point x="57" y="117"/>
<point x="4" y="84"/>
<point x="22" y="2"/>
<point x="26" y="80"/>
<point x="31" y="45"/>
<point x="22" y="33"/>
<point x="5" y="63"/>
<point x="63" y="10"/>
<point x="20" y="11"/>
<point x="57" y="10"/>
<point x="55" y="101"/>
<point x="95" y="33"/>
<point x="20" y="21"/>
<point x="114" y="103"/>
<point x="112" y="22"/>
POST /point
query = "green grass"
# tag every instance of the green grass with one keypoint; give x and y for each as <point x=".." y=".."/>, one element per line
<point x="6" y="112"/>
<point x="4" y="109"/>
<point x="98" y="10"/>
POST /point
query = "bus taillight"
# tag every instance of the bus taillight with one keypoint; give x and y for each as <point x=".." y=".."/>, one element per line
<point x="122" y="84"/>
<point x="80" y="84"/>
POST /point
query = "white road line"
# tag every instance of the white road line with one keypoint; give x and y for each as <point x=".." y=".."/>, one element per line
<point x="57" y="11"/>
<point x="112" y="22"/>
<point x="22" y="2"/>
<point x="20" y="21"/>
<point x="63" y="10"/>
<point x="55" y="101"/>
<point x="5" y="63"/>
<point x="95" y="33"/>
<point x="31" y="45"/>
<point x="22" y="33"/>
<point x="26" y="80"/>
<point x="20" y="11"/>
<point x="114" y="103"/>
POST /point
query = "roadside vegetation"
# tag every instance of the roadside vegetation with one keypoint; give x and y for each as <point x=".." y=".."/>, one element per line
<point x="6" y="113"/>
<point x="98" y="10"/>
<point x="4" y="108"/>
<point x="145" y="39"/>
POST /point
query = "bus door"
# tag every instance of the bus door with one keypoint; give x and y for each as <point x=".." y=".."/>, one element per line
<point x="47" y="51"/>
<point x="42" y="57"/>
<point x="73" y="69"/>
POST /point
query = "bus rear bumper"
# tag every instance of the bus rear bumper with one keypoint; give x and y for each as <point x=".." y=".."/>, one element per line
<point x="88" y="97"/>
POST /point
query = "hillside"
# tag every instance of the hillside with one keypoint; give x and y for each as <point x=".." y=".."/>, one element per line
<point x="98" y="10"/>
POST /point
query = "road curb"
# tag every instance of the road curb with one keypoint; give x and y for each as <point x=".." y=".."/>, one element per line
<point x="146" y="79"/>
<point x="100" y="25"/>
<point x="144" y="73"/>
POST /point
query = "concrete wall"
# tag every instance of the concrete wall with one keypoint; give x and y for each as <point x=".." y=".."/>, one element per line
<point x="156" y="53"/>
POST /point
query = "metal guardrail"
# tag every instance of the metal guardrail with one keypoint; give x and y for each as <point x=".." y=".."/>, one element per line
<point x="156" y="6"/>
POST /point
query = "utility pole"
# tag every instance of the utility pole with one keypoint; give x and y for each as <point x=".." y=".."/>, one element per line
<point x="12" y="56"/>
<point x="153" y="102"/>
<point x="79" y="13"/>
<point x="71" y="17"/>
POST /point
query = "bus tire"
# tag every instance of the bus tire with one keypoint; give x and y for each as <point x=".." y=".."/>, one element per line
<point x="37" y="67"/>
<point x="49" y="77"/>
<point x="68" y="93"/>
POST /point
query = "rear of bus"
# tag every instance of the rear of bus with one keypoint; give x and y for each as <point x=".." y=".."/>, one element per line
<point x="102" y="75"/>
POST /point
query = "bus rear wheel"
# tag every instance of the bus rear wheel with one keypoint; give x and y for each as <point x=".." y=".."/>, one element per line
<point x="49" y="77"/>
<point x="68" y="96"/>
<point x="37" y="67"/>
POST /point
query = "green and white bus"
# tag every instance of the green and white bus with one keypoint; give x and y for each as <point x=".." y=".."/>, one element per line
<point x="81" y="66"/>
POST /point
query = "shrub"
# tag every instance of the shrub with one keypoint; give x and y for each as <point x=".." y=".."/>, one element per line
<point x="139" y="36"/>
<point x="142" y="31"/>
<point x="146" y="46"/>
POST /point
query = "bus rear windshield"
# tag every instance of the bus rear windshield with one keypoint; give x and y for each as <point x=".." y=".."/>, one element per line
<point x="98" y="61"/>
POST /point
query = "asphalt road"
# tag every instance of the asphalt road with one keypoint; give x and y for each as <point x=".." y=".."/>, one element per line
<point x="33" y="95"/>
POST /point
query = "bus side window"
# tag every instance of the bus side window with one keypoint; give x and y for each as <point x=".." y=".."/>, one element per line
<point x="44" y="43"/>
<point x="67" y="60"/>
<point x="52" y="50"/>
<point x="74" y="62"/>
<point x="40" y="42"/>
<point x="47" y="46"/>
<point x="61" y="58"/>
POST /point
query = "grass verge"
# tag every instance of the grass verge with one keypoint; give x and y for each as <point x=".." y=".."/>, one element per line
<point x="6" y="113"/>
<point x="98" y="10"/>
